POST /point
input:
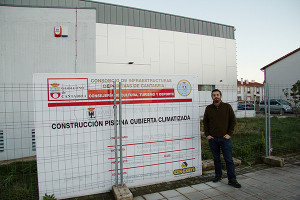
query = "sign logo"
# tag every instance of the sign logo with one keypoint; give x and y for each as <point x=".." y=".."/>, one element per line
<point x="67" y="89"/>
<point x="55" y="90"/>
<point x="184" y="87"/>
<point x="91" y="113"/>
<point x="184" y="164"/>
<point x="184" y="169"/>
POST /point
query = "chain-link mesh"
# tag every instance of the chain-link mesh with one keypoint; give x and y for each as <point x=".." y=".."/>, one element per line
<point x="18" y="171"/>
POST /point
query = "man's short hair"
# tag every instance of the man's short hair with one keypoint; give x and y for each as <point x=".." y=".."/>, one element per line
<point x="216" y="90"/>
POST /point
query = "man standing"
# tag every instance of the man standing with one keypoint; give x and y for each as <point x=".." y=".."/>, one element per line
<point x="219" y="121"/>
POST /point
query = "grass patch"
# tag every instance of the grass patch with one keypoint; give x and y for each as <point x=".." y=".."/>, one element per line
<point x="249" y="138"/>
<point x="19" y="180"/>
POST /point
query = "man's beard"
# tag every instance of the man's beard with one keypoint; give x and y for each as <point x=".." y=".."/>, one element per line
<point x="217" y="100"/>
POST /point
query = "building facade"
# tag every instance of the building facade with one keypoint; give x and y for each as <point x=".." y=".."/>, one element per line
<point x="107" y="39"/>
<point x="282" y="74"/>
<point x="250" y="91"/>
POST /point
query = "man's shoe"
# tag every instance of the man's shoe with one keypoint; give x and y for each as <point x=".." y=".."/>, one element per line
<point x="234" y="183"/>
<point x="217" y="179"/>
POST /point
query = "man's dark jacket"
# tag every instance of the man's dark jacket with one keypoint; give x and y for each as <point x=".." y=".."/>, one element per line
<point x="219" y="120"/>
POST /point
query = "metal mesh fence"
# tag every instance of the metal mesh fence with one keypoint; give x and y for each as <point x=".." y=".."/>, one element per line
<point x="18" y="147"/>
<point x="281" y="120"/>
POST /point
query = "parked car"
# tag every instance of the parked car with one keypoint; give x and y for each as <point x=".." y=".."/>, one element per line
<point x="277" y="106"/>
<point x="245" y="106"/>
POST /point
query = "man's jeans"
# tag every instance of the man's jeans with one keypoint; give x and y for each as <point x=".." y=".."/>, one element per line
<point x="226" y="146"/>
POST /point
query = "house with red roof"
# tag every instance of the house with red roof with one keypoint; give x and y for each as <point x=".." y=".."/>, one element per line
<point x="249" y="91"/>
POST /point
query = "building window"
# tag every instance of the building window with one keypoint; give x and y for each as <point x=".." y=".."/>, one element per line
<point x="239" y="90"/>
<point x="206" y="87"/>
<point x="248" y="90"/>
<point x="257" y="90"/>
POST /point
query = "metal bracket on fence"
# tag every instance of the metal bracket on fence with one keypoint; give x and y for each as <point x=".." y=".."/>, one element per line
<point x="120" y="132"/>
<point x="269" y="120"/>
<point x="116" y="134"/>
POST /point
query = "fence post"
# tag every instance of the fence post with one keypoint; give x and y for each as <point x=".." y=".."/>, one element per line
<point x="266" y="119"/>
<point x="269" y="120"/>
<point x="116" y="134"/>
<point x="120" y="132"/>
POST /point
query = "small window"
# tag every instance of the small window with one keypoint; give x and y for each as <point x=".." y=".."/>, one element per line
<point x="248" y="90"/>
<point x="206" y="87"/>
<point x="257" y="90"/>
<point x="1" y="140"/>
<point x="33" y="139"/>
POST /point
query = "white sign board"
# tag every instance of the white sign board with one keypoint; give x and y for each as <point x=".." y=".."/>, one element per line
<point x="74" y="122"/>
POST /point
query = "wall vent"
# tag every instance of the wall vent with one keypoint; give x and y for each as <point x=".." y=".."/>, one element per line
<point x="33" y="139"/>
<point x="1" y="140"/>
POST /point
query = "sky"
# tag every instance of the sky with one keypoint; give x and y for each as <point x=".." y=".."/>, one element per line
<point x="265" y="29"/>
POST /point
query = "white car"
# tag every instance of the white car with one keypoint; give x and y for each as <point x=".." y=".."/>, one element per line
<point x="277" y="106"/>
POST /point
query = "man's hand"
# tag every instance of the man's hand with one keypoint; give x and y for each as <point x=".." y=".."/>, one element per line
<point x="210" y="137"/>
<point x="227" y="136"/>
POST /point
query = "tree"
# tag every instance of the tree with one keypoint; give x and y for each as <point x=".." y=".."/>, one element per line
<point x="293" y="96"/>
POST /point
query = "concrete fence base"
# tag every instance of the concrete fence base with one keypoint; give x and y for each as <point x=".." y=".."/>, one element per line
<point x="274" y="161"/>
<point x="122" y="193"/>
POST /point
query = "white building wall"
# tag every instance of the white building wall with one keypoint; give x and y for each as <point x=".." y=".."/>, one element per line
<point x="211" y="59"/>
<point x="27" y="46"/>
<point x="283" y="74"/>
